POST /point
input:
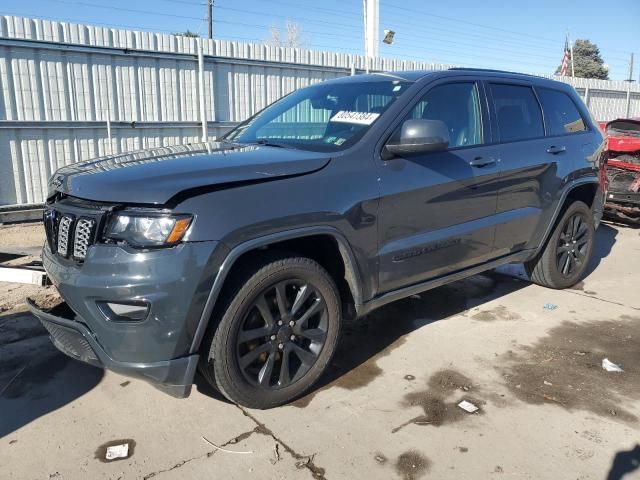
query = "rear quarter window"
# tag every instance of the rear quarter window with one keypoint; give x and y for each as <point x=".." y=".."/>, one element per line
<point x="517" y="111"/>
<point x="560" y="112"/>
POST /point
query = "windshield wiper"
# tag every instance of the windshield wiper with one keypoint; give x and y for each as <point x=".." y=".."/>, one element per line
<point x="269" y="143"/>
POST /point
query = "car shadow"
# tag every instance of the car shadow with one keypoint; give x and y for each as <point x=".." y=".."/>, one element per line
<point x="604" y="241"/>
<point x="367" y="339"/>
<point x="625" y="462"/>
<point x="35" y="378"/>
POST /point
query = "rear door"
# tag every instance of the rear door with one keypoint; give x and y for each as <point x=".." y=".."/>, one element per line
<point x="529" y="174"/>
<point x="437" y="208"/>
<point x="535" y="131"/>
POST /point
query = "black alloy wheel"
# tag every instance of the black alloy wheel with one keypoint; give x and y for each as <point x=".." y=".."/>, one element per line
<point x="282" y="334"/>
<point x="572" y="247"/>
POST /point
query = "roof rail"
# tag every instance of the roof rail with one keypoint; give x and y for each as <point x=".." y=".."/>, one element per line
<point x="492" y="70"/>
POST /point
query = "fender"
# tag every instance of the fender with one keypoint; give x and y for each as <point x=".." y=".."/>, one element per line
<point x="556" y="214"/>
<point x="352" y="274"/>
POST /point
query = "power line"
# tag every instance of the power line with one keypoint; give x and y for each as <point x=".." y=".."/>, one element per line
<point x="130" y="10"/>
<point x="529" y="37"/>
<point x="286" y="17"/>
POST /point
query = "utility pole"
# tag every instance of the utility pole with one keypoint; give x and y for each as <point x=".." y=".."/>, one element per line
<point x="630" y="78"/>
<point x="210" y="17"/>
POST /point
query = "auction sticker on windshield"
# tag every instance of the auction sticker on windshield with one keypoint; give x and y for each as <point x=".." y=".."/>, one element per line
<point x="360" y="118"/>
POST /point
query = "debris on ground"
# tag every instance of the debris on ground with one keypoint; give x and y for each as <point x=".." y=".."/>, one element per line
<point x="276" y="454"/>
<point x="609" y="366"/>
<point x="117" y="451"/>
<point x="468" y="406"/>
<point x="549" y="384"/>
<point x="550" y="306"/>
<point x="305" y="461"/>
<point x="224" y="449"/>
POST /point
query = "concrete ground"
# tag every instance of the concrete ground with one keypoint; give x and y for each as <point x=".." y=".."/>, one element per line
<point x="388" y="406"/>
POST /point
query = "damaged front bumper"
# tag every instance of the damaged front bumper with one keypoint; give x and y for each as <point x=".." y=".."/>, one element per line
<point x="623" y="195"/>
<point x="72" y="337"/>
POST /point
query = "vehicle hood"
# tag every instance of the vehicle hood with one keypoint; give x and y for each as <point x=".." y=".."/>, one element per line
<point x="623" y="135"/>
<point x="155" y="176"/>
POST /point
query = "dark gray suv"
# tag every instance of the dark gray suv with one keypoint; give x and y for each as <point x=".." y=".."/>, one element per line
<point x="242" y="257"/>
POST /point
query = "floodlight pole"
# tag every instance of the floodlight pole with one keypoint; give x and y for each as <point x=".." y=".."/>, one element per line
<point x="371" y="28"/>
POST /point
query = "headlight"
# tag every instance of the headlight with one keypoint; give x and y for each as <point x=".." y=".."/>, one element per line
<point x="142" y="230"/>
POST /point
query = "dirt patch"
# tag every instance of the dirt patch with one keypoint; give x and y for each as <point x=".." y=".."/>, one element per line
<point x="565" y="368"/>
<point x="101" y="451"/>
<point x="498" y="313"/>
<point x="439" y="402"/>
<point x="22" y="235"/>
<point x="47" y="298"/>
<point x="412" y="465"/>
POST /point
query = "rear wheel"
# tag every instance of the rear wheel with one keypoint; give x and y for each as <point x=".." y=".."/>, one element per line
<point x="565" y="258"/>
<point x="277" y="334"/>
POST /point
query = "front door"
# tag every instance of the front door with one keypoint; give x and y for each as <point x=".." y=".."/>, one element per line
<point x="437" y="208"/>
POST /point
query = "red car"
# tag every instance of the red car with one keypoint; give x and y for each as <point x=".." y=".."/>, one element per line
<point x="623" y="169"/>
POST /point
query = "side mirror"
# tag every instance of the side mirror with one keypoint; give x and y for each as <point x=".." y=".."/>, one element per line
<point x="419" y="136"/>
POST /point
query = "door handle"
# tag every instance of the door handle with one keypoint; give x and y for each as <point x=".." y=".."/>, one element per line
<point x="554" y="150"/>
<point x="480" y="162"/>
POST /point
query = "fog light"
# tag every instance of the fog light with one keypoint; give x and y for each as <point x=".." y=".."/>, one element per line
<point x="123" y="312"/>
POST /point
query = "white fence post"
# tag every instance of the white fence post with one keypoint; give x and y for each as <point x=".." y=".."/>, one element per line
<point x="201" y="94"/>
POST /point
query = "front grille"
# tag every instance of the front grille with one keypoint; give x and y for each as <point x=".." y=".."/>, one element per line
<point x="82" y="237"/>
<point x="64" y="230"/>
<point x="71" y="231"/>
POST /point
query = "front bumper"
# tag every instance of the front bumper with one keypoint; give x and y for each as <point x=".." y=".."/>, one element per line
<point x="173" y="283"/>
<point x="73" y="338"/>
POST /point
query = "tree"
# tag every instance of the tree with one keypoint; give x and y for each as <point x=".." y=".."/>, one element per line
<point x="293" y="36"/>
<point x="587" y="61"/>
<point x="188" y="33"/>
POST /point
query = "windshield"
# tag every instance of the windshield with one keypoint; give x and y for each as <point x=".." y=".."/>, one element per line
<point x="323" y="117"/>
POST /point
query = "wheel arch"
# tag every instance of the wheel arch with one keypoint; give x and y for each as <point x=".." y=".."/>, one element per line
<point x="282" y="240"/>
<point x="584" y="189"/>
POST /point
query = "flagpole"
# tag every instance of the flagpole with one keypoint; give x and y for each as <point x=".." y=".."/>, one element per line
<point x="573" y="73"/>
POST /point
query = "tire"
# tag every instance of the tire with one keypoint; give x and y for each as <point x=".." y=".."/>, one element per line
<point x="298" y="293"/>
<point x="565" y="258"/>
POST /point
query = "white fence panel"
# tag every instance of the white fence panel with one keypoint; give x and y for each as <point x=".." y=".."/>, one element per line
<point x="65" y="86"/>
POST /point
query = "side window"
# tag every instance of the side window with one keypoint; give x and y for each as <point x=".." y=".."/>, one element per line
<point x="518" y="113"/>
<point x="560" y="113"/>
<point x="458" y="106"/>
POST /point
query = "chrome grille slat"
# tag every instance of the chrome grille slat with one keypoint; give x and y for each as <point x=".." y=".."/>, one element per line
<point x="82" y="237"/>
<point x="64" y="230"/>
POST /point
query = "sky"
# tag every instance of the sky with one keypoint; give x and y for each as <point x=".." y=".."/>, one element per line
<point x="513" y="35"/>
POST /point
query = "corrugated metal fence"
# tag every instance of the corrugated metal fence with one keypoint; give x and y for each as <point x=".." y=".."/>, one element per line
<point x="72" y="92"/>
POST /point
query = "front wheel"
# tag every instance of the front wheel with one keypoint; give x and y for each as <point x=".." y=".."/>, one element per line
<point x="277" y="334"/>
<point x="565" y="258"/>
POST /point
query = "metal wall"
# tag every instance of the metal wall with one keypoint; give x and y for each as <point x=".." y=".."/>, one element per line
<point x="72" y="92"/>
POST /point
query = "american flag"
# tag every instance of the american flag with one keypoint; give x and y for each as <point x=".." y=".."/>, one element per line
<point x="564" y="68"/>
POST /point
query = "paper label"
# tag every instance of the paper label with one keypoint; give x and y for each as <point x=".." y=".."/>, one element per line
<point x="117" y="451"/>
<point x="468" y="406"/>
<point x="359" y="118"/>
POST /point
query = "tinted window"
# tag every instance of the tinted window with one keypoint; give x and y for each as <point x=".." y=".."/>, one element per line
<point x="518" y="112"/>
<point x="560" y="113"/>
<point x="458" y="106"/>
